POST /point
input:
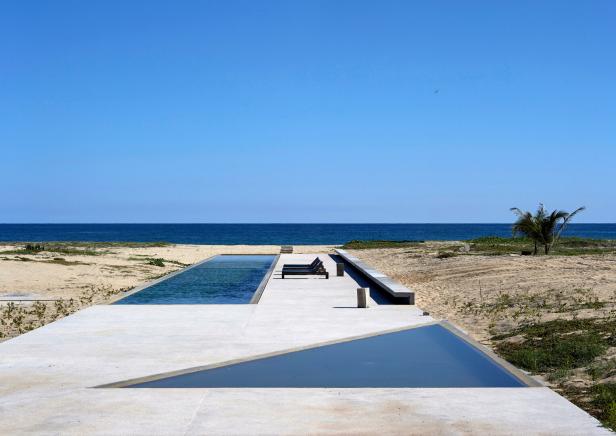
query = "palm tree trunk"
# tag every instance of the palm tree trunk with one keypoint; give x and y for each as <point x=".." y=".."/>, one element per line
<point x="535" y="251"/>
<point x="547" y="248"/>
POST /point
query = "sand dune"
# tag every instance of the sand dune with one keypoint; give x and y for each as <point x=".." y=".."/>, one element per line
<point x="470" y="289"/>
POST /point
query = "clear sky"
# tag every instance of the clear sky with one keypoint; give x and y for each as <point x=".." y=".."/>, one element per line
<point x="306" y="111"/>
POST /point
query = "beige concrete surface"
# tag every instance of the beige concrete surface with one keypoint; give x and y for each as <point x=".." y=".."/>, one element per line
<point x="47" y="376"/>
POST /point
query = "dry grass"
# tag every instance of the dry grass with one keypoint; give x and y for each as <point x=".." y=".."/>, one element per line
<point x="19" y="316"/>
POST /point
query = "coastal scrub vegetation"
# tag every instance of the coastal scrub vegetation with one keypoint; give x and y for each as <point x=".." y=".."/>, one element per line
<point x="566" y="336"/>
<point x="112" y="244"/>
<point x="370" y="244"/>
<point x="567" y="246"/>
<point x="20" y="316"/>
<point x="446" y="254"/>
<point x="84" y="248"/>
<point x="496" y="245"/>
<point x="156" y="262"/>
<point x="30" y="249"/>
<point x="562" y="347"/>
<point x="80" y="249"/>
<point x="604" y="399"/>
<point x="560" y="344"/>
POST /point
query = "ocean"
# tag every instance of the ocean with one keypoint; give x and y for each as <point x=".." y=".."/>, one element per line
<point x="274" y="234"/>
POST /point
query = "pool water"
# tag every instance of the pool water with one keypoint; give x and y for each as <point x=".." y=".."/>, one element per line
<point x="225" y="279"/>
<point x="421" y="357"/>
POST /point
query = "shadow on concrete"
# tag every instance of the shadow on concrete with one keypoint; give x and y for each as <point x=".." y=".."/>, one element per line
<point x="376" y="292"/>
<point x="278" y="276"/>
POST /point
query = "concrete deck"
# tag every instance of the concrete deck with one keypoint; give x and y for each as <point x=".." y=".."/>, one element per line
<point x="47" y="376"/>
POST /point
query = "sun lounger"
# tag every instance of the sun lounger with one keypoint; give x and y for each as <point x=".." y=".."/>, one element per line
<point x="318" y="270"/>
<point x="311" y="265"/>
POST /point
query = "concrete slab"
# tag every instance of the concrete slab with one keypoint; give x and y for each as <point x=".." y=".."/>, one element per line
<point x="303" y="411"/>
<point x="514" y="411"/>
<point x="316" y="291"/>
<point x="47" y="376"/>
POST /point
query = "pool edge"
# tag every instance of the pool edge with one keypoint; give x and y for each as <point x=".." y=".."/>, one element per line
<point x="158" y="280"/>
<point x="522" y="376"/>
<point x="256" y="297"/>
<point x="158" y="376"/>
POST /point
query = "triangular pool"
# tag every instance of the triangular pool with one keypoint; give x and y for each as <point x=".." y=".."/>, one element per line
<point x="423" y="357"/>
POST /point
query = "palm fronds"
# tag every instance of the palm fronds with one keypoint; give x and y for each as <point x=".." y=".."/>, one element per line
<point x="542" y="228"/>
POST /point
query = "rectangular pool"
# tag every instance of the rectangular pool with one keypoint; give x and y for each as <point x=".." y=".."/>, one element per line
<point x="224" y="279"/>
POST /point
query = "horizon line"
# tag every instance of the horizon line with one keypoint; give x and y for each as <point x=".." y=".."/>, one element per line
<point x="277" y="223"/>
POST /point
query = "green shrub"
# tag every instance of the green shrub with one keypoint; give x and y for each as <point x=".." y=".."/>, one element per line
<point x="35" y="248"/>
<point x="549" y="354"/>
<point x="604" y="398"/>
<point x="496" y="245"/>
<point x="156" y="262"/>
<point x="498" y="240"/>
<point x="363" y="245"/>
<point x="558" y="345"/>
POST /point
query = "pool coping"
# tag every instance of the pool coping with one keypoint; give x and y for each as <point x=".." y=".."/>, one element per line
<point x="521" y="375"/>
<point x="158" y="280"/>
<point x="524" y="378"/>
<point x="256" y="297"/>
<point x="194" y="265"/>
<point x="153" y="377"/>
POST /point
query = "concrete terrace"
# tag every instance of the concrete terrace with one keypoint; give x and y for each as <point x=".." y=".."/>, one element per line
<point x="47" y="376"/>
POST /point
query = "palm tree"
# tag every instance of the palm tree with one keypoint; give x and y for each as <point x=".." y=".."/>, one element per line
<point x="542" y="228"/>
<point x="528" y="225"/>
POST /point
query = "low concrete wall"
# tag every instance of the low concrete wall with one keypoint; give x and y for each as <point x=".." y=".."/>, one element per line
<point x="395" y="289"/>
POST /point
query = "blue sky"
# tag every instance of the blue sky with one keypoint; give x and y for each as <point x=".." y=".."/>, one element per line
<point x="290" y="111"/>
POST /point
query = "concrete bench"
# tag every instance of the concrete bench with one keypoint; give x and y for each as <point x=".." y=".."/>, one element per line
<point x="394" y="288"/>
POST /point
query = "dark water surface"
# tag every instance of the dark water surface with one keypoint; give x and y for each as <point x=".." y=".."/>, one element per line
<point x="225" y="279"/>
<point x="423" y="357"/>
<point x="275" y="234"/>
